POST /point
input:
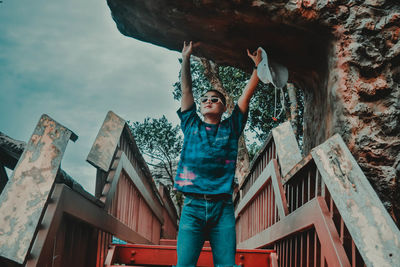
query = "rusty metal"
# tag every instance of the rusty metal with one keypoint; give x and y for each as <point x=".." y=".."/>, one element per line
<point x="166" y="256"/>
<point x="371" y="227"/>
<point x="24" y="197"/>
<point x="286" y="147"/>
<point x="106" y="142"/>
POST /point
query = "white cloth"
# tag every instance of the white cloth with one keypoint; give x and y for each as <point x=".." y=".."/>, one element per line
<point x="272" y="72"/>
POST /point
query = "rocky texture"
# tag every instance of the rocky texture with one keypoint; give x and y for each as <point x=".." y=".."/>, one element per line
<point x="343" y="54"/>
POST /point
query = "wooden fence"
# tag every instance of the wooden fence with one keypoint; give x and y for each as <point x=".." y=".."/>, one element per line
<point x="72" y="227"/>
<point x="321" y="212"/>
<point x="318" y="210"/>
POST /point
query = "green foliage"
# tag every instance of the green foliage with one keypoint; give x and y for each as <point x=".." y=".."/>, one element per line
<point x="233" y="80"/>
<point x="200" y="84"/>
<point x="162" y="142"/>
<point x="159" y="140"/>
<point x="261" y="111"/>
<point x="260" y="121"/>
<point x="253" y="150"/>
<point x="300" y="122"/>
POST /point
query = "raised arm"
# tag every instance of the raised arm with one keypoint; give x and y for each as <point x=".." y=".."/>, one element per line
<point x="186" y="78"/>
<point x="248" y="91"/>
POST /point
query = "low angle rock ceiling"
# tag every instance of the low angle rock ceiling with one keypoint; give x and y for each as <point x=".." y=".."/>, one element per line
<point x="224" y="30"/>
<point x="344" y="55"/>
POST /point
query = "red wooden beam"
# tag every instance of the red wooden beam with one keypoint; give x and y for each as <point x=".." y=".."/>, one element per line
<point x="135" y="254"/>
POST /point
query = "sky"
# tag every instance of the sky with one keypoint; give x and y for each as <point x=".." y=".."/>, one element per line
<point x="67" y="59"/>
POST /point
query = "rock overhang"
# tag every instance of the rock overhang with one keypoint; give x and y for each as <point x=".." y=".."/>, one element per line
<point x="343" y="54"/>
<point x="225" y="29"/>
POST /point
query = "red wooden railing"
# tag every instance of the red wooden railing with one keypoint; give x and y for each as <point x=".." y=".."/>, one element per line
<point x="301" y="188"/>
<point x="263" y="157"/>
<point x="305" y="185"/>
<point x="296" y="248"/>
<point x="295" y="210"/>
<point x="76" y="229"/>
<point x="130" y="195"/>
<point x="309" y="230"/>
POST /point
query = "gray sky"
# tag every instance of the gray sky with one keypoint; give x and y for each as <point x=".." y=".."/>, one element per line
<point x="68" y="60"/>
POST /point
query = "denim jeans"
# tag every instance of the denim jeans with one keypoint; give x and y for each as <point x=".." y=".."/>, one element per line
<point x="202" y="220"/>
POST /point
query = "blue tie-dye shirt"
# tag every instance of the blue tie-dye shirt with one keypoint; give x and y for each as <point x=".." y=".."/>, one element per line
<point x="208" y="157"/>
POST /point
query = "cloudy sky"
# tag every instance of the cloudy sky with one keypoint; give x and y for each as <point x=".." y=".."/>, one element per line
<point x="68" y="60"/>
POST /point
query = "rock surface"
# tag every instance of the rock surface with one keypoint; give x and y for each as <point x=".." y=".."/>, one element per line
<point x="343" y="54"/>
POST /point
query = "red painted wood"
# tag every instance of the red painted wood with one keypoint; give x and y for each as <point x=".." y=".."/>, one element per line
<point x="134" y="254"/>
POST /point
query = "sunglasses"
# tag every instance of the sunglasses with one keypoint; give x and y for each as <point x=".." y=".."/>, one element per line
<point x="213" y="99"/>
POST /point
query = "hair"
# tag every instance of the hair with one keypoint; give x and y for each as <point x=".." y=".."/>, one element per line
<point x="220" y="95"/>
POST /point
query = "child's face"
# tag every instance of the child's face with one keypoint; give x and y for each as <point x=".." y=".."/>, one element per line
<point x="208" y="107"/>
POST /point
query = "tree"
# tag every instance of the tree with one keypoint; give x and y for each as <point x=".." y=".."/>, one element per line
<point x="161" y="143"/>
<point x="260" y="121"/>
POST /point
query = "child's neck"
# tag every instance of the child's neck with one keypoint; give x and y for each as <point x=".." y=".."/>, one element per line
<point x="210" y="119"/>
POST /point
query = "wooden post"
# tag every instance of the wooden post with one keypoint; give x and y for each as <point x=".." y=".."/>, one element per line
<point x="371" y="227"/>
<point x="25" y="195"/>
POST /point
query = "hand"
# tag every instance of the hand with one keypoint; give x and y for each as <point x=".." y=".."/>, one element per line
<point x="256" y="56"/>
<point x="187" y="49"/>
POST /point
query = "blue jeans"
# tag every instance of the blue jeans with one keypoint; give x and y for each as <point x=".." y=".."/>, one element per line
<point x="207" y="219"/>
